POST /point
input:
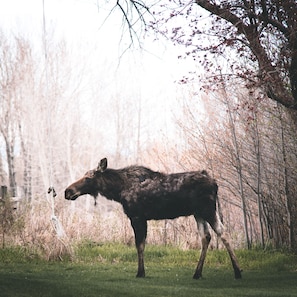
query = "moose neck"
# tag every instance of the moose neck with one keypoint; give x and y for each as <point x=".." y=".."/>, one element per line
<point x="112" y="184"/>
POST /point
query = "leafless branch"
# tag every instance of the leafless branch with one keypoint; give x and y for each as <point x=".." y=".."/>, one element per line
<point x="134" y="16"/>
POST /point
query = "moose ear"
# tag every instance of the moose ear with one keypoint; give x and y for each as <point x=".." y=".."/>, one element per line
<point x="102" y="165"/>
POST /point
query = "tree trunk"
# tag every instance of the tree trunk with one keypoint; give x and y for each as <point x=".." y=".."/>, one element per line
<point x="11" y="164"/>
<point x="239" y="172"/>
<point x="259" y="179"/>
<point x="290" y="185"/>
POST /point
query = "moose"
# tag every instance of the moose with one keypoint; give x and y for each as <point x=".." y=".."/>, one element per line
<point x="150" y="195"/>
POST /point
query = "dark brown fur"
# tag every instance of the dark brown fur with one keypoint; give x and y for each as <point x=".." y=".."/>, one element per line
<point x="150" y="195"/>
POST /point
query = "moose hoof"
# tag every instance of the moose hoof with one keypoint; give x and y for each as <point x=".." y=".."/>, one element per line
<point x="238" y="274"/>
<point x="197" y="275"/>
<point x="142" y="274"/>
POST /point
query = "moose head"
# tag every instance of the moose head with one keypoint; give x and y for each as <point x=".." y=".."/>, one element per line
<point x="91" y="183"/>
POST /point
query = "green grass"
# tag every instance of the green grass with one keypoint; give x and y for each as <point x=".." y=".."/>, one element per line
<point x="109" y="270"/>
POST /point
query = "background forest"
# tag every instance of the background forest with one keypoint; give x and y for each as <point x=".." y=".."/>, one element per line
<point x="61" y="112"/>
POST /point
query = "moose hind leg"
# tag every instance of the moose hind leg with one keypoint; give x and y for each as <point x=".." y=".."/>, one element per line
<point x="205" y="240"/>
<point x="219" y="229"/>
<point x="140" y="231"/>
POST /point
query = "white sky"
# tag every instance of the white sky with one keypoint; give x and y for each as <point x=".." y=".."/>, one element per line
<point x="84" y="26"/>
<point x="83" y="22"/>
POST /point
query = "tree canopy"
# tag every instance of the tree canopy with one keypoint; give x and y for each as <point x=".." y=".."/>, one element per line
<point x="262" y="32"/>
<point x="269" y="30"/>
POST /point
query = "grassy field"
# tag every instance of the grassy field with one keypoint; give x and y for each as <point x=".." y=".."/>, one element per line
<point x="109" y="270"/>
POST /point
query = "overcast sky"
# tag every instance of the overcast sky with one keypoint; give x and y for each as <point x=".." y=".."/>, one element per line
<point x="80" y="22"/>
<point x="87" y="29"/>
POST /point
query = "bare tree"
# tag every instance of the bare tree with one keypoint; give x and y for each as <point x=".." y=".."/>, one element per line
<point x="256" y="42"/>
<point x="13" y="71"/>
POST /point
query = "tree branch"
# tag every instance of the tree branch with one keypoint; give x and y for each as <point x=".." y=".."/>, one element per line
<point x="270" y="76"/>
<point x="224" y="13"/>
<point x="137" y="6"/>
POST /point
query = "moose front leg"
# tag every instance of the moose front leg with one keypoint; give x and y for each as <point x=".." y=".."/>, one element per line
<point x="140" y="232"/>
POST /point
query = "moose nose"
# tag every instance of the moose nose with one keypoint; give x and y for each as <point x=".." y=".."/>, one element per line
<point x="68" y="194"/>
